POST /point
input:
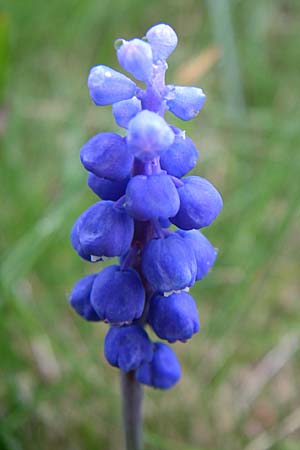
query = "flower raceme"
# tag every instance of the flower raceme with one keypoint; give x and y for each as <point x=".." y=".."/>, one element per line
<point x="141" y="179"/>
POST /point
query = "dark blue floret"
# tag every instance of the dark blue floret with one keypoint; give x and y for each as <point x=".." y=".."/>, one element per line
<point x="150" y="197"/>
<point x="180" y="157"/>
<point x="107" y="189"/>
<point x="204" y="251"/>
<point x="148" y="135"/>
<point x="200" y="203"/>
<point x="118" y="296"/>
<point x="80" y="298"/>
<point x="74" y="237"/>
<point x="107" y="156"/>
<point x="126" y="110"/>
<point x="135" y="56"/>
<point x="163" y="371"/>
<point x="108" y="86"/>
<point x="174" y="318"/>
<point x="169" y="264"/>
<point x="103" y="230"/>
<point x="127" y="347"/>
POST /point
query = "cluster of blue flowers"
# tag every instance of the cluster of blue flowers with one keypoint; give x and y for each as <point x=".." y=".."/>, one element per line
<point x="139" y="179"/>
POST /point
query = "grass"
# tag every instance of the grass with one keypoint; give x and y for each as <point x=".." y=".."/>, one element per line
<point x="56" y="388"/>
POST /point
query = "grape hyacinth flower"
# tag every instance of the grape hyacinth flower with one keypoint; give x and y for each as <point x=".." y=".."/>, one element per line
<point x="142" y="178"/>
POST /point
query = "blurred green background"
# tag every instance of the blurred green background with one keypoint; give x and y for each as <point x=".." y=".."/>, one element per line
<point x="240" y="383"/>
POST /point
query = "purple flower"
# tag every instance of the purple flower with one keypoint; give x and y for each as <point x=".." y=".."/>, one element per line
<point x="139" y="177"/>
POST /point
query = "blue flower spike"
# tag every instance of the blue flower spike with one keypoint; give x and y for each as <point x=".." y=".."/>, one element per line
<point x="141" y="177"/>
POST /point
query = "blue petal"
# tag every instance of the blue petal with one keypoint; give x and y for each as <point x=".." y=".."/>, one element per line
<point x="163" y="40"/>
<point x="174" y="318"/>
<point x="108" y="86"/>
<point x="118" y="296"/>
<point x="148" y="135"/>
<point x="163" y="371"/>
<point x="184" y="101"/>
<point x="80" y="298"/>
<point x="150" y="197"/>
<point x="107" y="189"/>
<point x="107" y="156"/>
<point x="127" y="347"/>
<point x="180" y="157"/>
<point x="200" y="203"/>
<point x="126" y="110"/>
<point x="135" y="56"/>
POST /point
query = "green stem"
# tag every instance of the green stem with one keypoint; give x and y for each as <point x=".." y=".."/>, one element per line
<point x="132" y="396"/>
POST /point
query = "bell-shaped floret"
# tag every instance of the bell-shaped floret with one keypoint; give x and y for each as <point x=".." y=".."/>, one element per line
<point x="204" y="251"/>
<point x="107" y="156"/>
<point x="151" y="197"/>
<point x="127" y="347"/>
<point x="118" y="296"/>
<point x="148" y="135"/>
<point x="200" y="203"/>
<point x="185" y="101"/>
<point x="163" y="41"/>
<point x="107" y="189"/>
<point x="80" y="298"/>
<point x="163" y="371"/>
<point x="126" y="110"/>
<point x="169" y="264"/>
<point x="180" y="157"/>
<point x="74" y="237"/>
<point x="108" y="86"/>
<point x="174" y="318"/>
<point x="103" y="230"/>
<point x="135" y="56"/>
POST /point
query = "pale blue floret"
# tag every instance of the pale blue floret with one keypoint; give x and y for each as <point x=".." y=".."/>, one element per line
<point x="135" y="56"/>
<point x="163" y="41"/>
<point x="148" y="135"/>
<point x="126" y="110"/>
<point x="127" y="347"/>
<point x="185" y="101"/>
<point x="108" y="86"/>
<point x="163" y="371"/>
<point x="118" y="296"/>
